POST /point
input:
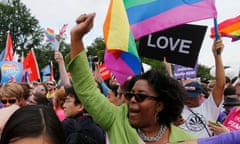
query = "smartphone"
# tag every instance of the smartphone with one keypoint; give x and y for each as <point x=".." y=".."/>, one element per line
<point x="214" y="123"/>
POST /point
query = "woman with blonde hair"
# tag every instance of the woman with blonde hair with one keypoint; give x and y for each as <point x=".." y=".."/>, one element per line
<point x="58" y="101"/>
<point x="12" y="93"/>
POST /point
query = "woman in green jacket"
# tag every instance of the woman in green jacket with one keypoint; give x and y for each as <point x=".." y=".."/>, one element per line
<point x="156" y="100"/>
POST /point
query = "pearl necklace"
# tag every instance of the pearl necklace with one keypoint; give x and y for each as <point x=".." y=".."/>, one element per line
<point x="154" y="138"/>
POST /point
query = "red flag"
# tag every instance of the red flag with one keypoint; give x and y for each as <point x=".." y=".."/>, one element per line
<point x="105" y="73"/>
<point x="9" y="49"/>
<point x="51" y="78"/>
<point x="63" y="30"/>
<point x="30" y="66"/>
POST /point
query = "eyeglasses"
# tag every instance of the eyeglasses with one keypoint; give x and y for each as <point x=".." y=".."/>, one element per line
<point x="42" y="89"/>
<point x="68" y="101"/>
<point x="140" y="97"/>
<point x="51" y="84"/>
<point x="10" y="101"/>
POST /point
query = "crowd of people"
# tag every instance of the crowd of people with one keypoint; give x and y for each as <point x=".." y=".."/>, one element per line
<point x="150" y="108"/>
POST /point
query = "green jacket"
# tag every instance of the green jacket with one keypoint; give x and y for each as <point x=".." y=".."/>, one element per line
<point x="112" y="118"/>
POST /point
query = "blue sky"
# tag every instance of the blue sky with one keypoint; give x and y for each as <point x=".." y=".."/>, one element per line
<point x="54" y="13"/>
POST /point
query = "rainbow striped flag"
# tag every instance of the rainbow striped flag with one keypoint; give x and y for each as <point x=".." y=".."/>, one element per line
<point x="121" y="56"/>
<point x="50" y="34"/>
<point x="149" y="16"/>
<point x="229" y="28"/>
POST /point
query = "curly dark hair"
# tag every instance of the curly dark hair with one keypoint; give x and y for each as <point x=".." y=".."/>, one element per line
<point x="169" y="91"/>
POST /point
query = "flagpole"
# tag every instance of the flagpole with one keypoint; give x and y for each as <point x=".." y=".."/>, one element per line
<point x="22" y="57"/>
<point x="216" y="33"/>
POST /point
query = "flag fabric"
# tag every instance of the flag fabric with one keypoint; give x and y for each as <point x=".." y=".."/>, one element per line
<point x="63" y="30"/>
<point x="229" y="28"/>
<point x="25" y="77"/>
<point x="11" y="70"/>
<point x="55" y="45"/>
<point x="149" y="16"/>
<point x="50" y="34"/>
<point x="105" y="73"/>
<point x="117" y="33"/>
<point x="30" y="66"/>
<point x="121" y="56"/>
<point x="2" y="55"/>
<point x="122" y="65"/>
<point x="9" y="49"/>
<point x="16" y="57"/>
<point x="46" y="70"/>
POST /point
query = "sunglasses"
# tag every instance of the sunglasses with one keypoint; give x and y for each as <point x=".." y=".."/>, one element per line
<point x="51" y="84"/>
<point x="42" y="89"/>
<point x="140" y="97"/>
<point x="10" y="101"/>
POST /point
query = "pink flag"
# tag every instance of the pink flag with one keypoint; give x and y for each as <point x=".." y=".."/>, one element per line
<point x="149" y="16"/>
<point x="9" y="49"/>
<point x="63" y="30"/>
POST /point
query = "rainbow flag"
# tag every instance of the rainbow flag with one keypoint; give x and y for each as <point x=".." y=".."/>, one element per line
<point x="121" y="56"/>
<point x="149" y="16"/>
<point x="50" y="34"/>
<point x="229" y="28"/>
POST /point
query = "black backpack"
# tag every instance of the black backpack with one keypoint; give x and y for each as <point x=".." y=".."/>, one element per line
<point x="79" y="137"/>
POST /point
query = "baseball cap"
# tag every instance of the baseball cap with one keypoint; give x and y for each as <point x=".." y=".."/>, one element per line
<point x="231" y="100"/>
<point x="193" y="89"/>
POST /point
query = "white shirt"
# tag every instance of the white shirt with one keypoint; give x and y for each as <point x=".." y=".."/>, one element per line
<point x="207" y="111"/>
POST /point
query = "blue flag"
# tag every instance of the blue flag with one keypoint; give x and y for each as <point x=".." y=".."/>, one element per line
<point x="46" y="70"/>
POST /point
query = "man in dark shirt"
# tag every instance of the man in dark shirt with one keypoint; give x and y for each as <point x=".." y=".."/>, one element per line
<point x="78" y="123"/>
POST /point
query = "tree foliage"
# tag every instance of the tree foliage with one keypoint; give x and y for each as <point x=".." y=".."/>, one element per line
<point x="26" y="33"/>
<point x="204" y="72"/>
<point x="25" y="29"/>
<point x="97" y="48"/>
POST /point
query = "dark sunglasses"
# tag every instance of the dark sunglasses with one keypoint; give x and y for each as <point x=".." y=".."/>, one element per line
<point x="10" y="101"/>
<point x="140" y="97"/>
<point x="42" y="89"/>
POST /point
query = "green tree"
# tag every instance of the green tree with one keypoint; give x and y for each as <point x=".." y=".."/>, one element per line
<point x="26" y="34"/>
<point x="204" y="72"/>
<point x="25" y="29"/>
<point x="97" y="48"/>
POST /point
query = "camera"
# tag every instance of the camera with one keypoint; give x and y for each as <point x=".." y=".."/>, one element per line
<point x="95" y="59"/>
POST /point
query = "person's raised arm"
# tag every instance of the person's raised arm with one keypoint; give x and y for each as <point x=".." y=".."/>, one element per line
<point x="83" y="25"/>
<point x="62" y="69"/>
<point x="218" y="89"/>
<point x="168" y="67"/>
<point x="82" y="78"/>
<point x="99" y="79"/>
